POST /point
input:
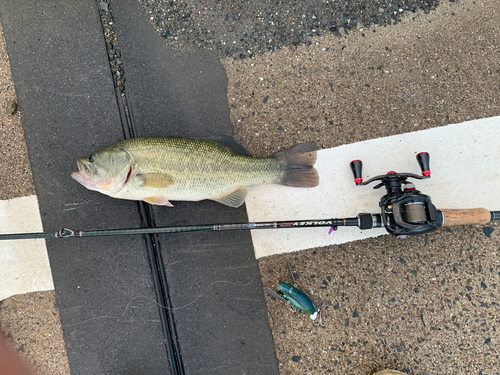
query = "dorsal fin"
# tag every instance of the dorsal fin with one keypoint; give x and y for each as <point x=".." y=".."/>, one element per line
<point x="231" y="143"/>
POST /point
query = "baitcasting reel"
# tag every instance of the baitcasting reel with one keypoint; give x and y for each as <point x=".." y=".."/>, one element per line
<point x="404" y="210"/>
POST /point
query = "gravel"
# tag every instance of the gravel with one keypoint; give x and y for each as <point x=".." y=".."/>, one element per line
<point x="245" y="28"/>
<point x="112" y="46"/>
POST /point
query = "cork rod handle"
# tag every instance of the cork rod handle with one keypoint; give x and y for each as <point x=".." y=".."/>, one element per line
<point x="465" y="216"/>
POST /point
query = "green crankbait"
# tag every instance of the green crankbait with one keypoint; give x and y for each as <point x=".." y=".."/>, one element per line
<point x="296" y="298"/>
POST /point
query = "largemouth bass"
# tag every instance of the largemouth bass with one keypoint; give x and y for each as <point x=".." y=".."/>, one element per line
<point x="158" y="170"/>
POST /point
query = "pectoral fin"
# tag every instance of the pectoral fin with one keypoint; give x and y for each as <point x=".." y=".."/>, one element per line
<point x="158" y="200"/>
<point x="155" y="180"/>
<point x="234" y="199"/>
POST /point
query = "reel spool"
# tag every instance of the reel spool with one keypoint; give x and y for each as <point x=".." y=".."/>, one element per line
<point x="414" y="213"/>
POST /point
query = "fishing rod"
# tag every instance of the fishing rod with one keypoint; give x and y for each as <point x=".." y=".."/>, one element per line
<point x="405" y="211"/>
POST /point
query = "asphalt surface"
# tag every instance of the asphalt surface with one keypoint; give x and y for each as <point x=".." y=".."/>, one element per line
<point x="427" y="305"/>
<point x="247" y="28"/>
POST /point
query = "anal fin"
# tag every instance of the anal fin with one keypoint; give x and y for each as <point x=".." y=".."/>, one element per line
<point x="234" y="199"/>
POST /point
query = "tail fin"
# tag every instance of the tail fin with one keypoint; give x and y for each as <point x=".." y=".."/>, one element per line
<point x="299" y="161"/>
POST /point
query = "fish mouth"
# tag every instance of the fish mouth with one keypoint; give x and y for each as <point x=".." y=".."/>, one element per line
<point x="85" y="169"/>
<point x="77" y="176"/>
<point x="82" y="178"/>
<point x="84" y="174"/>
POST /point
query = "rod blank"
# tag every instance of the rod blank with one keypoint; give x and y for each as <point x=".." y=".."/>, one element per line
<point x="363" y="221"/>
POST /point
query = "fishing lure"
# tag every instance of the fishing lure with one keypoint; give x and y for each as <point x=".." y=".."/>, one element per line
<point x="297" y="299"/>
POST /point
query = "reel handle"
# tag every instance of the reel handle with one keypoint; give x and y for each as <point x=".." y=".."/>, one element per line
<point x="357" y="167"/>
<point x="423" y="161"/>
<point x="468" y="216"/>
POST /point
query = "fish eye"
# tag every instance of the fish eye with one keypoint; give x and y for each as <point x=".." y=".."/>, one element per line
<point x="92" y="157"/>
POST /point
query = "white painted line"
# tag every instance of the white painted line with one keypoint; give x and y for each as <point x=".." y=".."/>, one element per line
<point x="465" y="173"/>
<point x="24" y="264"/>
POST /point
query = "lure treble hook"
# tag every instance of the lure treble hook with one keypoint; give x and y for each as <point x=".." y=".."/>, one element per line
<point x="317" y="313"/>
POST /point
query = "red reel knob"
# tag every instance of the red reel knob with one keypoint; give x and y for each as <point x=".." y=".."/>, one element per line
<point x="423" y="159"/>
<point x="356" y="167"/>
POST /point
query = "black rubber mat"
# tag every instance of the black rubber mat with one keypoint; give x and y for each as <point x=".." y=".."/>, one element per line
<point x="66" y="96"/>
<point x="213" y="278"/>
